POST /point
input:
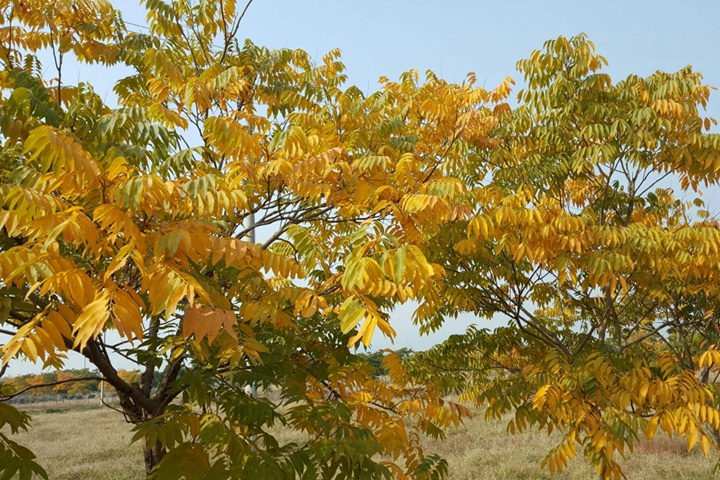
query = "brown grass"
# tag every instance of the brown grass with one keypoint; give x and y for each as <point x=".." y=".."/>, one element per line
<point x="482" y="450"/>
<point x="94" y="444"/>
<point x="87" y="444"/>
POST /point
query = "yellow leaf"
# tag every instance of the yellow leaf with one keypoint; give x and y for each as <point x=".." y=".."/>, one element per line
<point x="652" y="427"/>
<point x="92" y="319"/>
<point x="127" y="315"/>
<point x="202" y="321"/>
<point x="351" y="312"/>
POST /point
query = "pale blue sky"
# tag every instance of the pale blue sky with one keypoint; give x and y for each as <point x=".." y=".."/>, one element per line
<point x="456" y="37"/>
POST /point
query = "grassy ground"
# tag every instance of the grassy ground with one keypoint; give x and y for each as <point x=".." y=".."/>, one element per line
<point x="80" y="444"/>
<point x="94" y="444"/>
<point x="483" y="450"/>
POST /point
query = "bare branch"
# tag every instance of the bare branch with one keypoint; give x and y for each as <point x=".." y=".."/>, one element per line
<point x="5" y="398"/>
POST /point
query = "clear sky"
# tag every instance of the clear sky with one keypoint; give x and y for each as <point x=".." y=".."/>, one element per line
<point x="454" y="37"/>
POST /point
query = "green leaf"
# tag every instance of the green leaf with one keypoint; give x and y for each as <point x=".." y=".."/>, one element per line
<point x="187" y="461"/>
<point x="15" y="458"/>
<point x="11" y="416"/>
<point x="399" y="264"/>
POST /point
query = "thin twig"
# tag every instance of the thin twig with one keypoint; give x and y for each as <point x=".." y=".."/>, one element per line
<point x="5" y="398"/>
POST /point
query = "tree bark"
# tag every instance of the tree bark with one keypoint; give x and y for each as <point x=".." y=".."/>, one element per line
<point x="134" y="414"/>
<point x="137" y="402"/>
<point x="153" y="455"/>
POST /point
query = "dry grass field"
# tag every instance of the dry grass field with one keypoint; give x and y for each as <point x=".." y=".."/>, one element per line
<point x="94" y="444"/>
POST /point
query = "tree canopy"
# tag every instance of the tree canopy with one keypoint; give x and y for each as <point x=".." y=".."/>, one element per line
<point x="141" y="218"/>
<point x="589" y="235"/>
<point x="242" y="217"/>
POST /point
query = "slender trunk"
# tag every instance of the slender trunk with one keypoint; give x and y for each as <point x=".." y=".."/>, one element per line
<point x="687" y="353"/>
<point x="705" y="378"/>
<point x="137" y="402"/>
<point x="602" y="329"/>
<point x="705" y="374"/>
<point x="153" y="454"/>
<point x="134" y="414"/>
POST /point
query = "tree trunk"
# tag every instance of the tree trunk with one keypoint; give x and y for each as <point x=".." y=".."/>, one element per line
<point x="134" y="414"/>
<point x="705" y="378"/>
<point x="153" y="454"/>
<point x="136" y="401"/>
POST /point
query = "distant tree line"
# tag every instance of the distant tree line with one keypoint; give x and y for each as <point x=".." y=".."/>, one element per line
<point x="68" y="383"/>
<point x="376" y="359"/>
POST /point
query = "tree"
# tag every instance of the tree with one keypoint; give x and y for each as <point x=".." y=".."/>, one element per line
<point x="69" y="382"/>
<point x="40" y="384"/>
<point x="586" y="237"/>
<point x="136" y="220"/>
<point x="130" y="376"/>
<point x="63" y="382"/>
<point x="375" y="359"/>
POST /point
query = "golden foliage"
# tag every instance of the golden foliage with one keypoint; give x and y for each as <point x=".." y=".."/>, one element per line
<point x="119" y="219"/>
<point x="582" y="239"/>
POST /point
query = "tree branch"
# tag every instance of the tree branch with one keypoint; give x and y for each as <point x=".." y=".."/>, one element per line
<point x="5" y="398"/>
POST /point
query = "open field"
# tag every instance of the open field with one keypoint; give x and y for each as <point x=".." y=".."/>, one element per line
<point x="82" y="444"/>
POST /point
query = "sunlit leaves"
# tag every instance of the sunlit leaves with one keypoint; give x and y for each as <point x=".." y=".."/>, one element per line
<point x="581" y="237"/>
<point x="91" y="320"/>
<point x="54" y="151"/>
<point x="204" y="322"/>
<point x="243" y="218"/>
